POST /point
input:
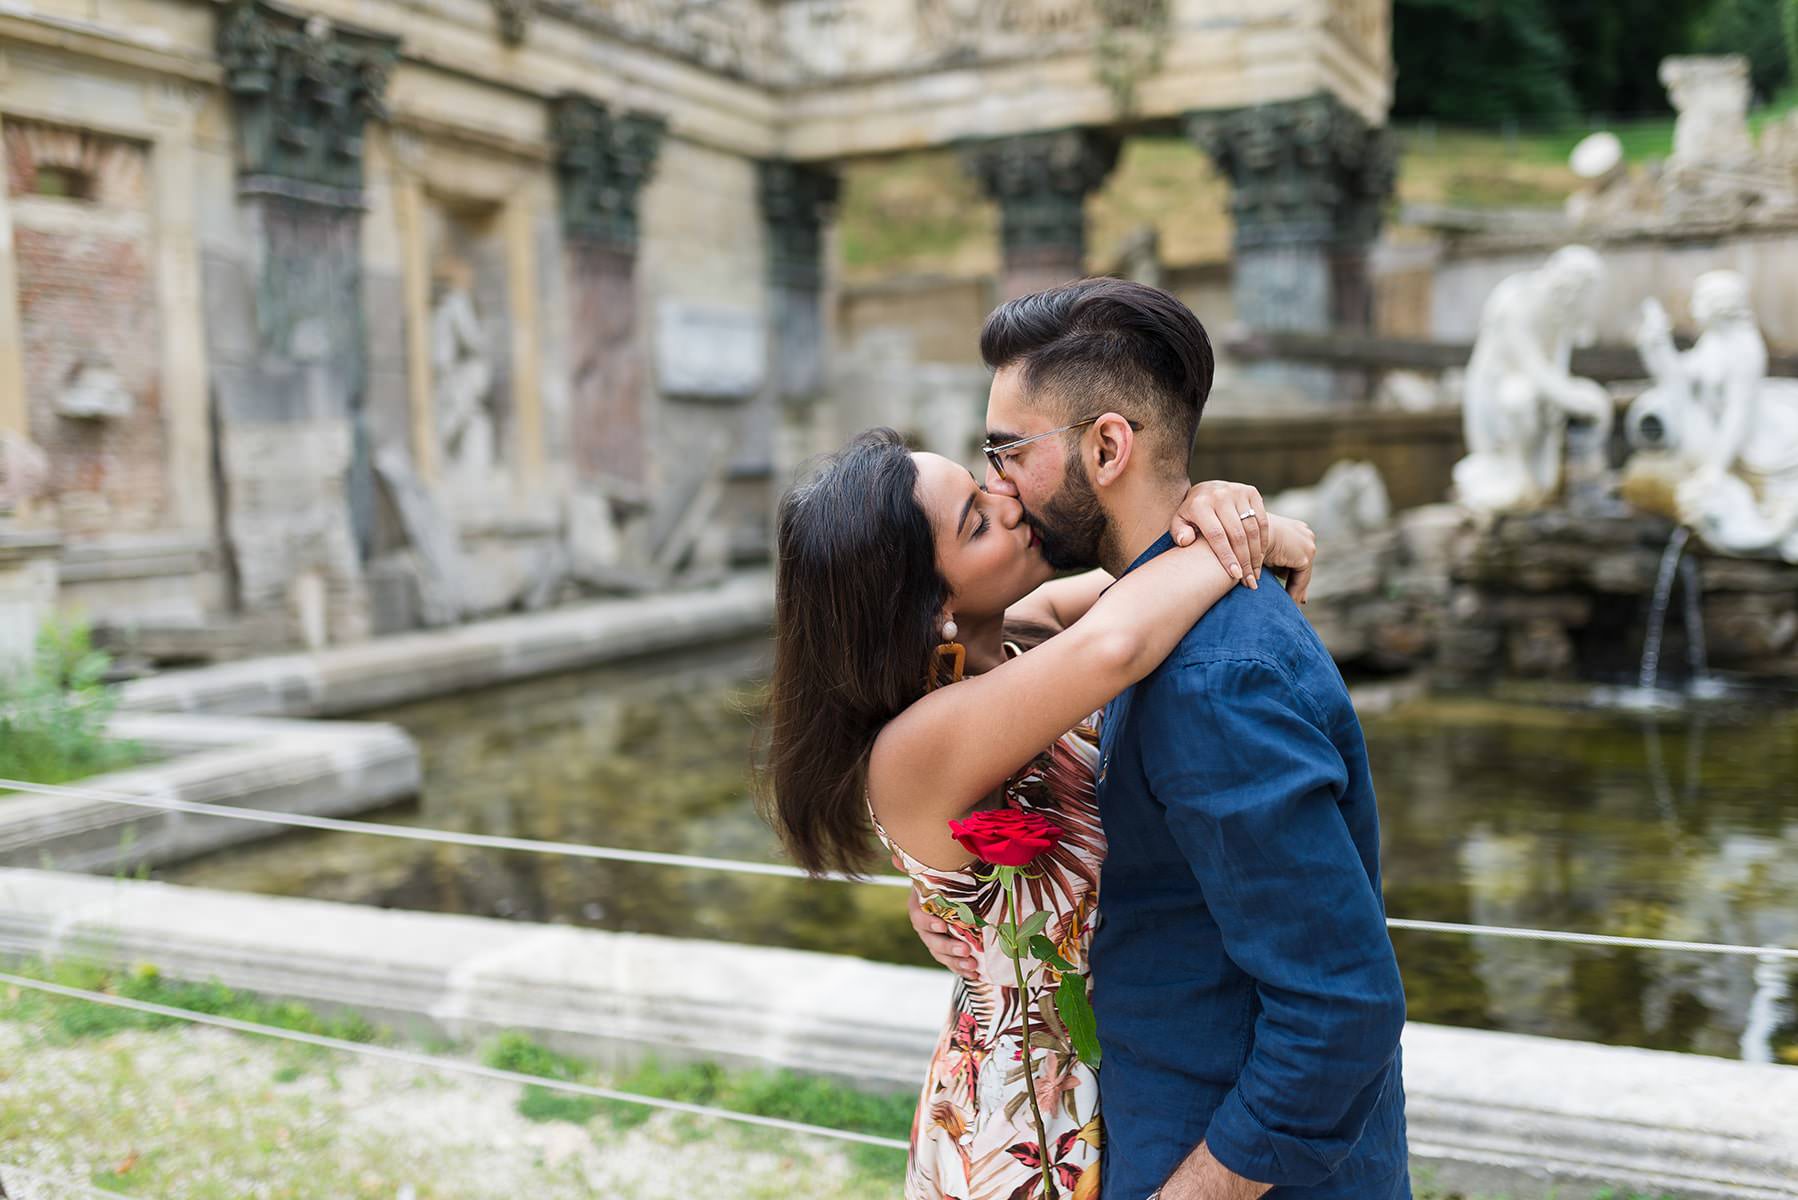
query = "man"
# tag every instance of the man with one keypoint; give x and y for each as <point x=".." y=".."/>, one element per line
<point x="1248" y="1002"/>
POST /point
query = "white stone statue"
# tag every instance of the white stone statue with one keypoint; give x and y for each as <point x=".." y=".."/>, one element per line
<point x="1346" y="505"/>
<point x="462" y="376"/>
<point x="1722" y="436"/>
<point x="1521" y="397"/>
<point x="1711" y="94"/>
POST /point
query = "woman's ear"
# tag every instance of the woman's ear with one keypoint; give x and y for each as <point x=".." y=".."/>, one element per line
<point x="1113" y="444"/>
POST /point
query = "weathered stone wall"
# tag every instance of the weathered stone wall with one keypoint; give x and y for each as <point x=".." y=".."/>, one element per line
<point x="108" y="277"/>
<point x="305" y="235"/>
<point x="704" y="259"/>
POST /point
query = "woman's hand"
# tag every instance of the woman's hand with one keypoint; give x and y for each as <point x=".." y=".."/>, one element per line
<point x="1293" y="549"/>
<point x="1230" y="516"/>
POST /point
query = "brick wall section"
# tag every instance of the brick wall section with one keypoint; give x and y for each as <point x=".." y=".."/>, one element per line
<point x="87" y="297"/>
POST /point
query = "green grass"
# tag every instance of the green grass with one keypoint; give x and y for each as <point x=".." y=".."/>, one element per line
<point x="67" y="1020"/>
<point x="786" y="1095"/>
<point x="782" y="1094"/>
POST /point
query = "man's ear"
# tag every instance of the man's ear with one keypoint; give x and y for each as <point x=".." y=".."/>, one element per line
<point x="1113" y="443"/>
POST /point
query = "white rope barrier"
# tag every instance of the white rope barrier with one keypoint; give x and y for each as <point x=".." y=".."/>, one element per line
<point x="431" y="1062"/>
<point x="479" y="841"/>
<point x="1595" y="939"/>
<point x="782" y="871"/>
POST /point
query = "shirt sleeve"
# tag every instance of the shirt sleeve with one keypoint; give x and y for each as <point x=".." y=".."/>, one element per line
<point x="1252" y="784"/>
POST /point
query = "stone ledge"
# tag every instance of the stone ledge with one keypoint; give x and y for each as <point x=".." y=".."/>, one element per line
<point x="323" y="768"/>
<point x="136" y="557"/>
<point x="1487" y="1111"/>
<point x="392" y="670"/>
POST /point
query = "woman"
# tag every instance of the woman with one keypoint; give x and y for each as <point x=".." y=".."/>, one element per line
<point x="884" y="560"/>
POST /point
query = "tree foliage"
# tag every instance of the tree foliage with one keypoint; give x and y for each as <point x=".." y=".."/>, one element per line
<point x="1479" y="61"/>
<point x="1759" y="29"/>
<point x="1488" y="61"/>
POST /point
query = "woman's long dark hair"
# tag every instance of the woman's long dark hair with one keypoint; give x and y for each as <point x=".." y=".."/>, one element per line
<point x="857" y="597"/>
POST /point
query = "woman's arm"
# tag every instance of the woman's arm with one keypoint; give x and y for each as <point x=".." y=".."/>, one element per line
<point x="939" y="758"/>
<point x="1058" y="603"/>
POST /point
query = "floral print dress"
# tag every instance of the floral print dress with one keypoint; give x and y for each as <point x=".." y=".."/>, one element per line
<point x="974" y="1137"/>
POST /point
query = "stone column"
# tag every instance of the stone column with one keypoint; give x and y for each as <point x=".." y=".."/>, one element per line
<point x="1041" y="182"/>
<point x="797" y="202"/>
<point x="288" y="344"/>
<point x="1310" y="179"/>
<point x="603" y="159"/>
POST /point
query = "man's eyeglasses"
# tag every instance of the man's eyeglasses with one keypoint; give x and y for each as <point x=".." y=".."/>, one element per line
<point x="996" y="454"/>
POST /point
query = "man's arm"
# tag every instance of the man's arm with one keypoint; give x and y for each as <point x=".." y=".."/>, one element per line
<point x="1202" y="1177"/>
<point x="1254" y="806"/>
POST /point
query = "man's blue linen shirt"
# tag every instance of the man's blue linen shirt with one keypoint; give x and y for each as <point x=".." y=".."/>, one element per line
<point x="1243" y="978"/>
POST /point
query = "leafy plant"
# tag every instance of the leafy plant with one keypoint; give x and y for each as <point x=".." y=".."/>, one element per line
<point x="54" y="711"/>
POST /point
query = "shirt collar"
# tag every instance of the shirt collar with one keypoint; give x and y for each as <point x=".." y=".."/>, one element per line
<point x="1160" y="545"/>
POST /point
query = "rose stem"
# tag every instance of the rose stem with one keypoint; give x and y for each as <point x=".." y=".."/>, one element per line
<point x="1017" y="965"/>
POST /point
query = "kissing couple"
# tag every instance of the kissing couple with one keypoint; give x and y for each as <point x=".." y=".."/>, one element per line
<point x="1209" y="874"/>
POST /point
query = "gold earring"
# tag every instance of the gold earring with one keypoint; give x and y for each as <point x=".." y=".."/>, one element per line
<point x="950" y="649"/>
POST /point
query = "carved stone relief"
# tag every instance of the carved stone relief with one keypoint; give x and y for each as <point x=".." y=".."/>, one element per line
<point x="470" y="330"/>
<point x="514" y="20"/>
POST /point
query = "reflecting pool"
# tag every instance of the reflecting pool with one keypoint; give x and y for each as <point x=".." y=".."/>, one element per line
<point x="1541" y="815"/>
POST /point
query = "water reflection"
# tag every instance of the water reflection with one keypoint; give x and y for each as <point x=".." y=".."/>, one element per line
<point x="651" y="757"/>
<point x="1673" y="825"/>
<point x="1679" y="827"/>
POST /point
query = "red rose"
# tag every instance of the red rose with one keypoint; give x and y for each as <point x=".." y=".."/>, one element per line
<point x="1005" y="837"/>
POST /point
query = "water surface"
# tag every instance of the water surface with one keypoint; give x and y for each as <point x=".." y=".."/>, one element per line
<point x="1540" y="815"/>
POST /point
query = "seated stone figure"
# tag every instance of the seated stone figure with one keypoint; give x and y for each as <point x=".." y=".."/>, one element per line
<point x="1520" y="396"/>
<point x="1720" y="435"/>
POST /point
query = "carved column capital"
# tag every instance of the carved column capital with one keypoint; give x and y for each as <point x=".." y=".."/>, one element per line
<point x="303" y="89"/>
<point x="797" y="201"/>
<point x="1041" y="181"/>
<point x="1308" y="171"/>
<point x="603" y="159"/>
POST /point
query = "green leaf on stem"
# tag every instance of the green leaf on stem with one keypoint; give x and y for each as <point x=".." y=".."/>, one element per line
<point x="1007" y="939"/>
<point x="1035" y="925"/>
<point x="1045" y="951"/>
<point x="1076" y="1013"/>
<point x="968" y="916"/>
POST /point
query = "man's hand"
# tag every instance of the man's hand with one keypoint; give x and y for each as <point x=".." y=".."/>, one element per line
<point x="1202" y="1177"/>
<point x="944" y="946"/>
<point x="1292" y="549"/>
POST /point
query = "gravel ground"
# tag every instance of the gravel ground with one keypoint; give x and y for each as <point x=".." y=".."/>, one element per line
<point x="202" y="1114"/>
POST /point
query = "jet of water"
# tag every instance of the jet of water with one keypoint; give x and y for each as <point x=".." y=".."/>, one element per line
<point x="1648" y="679"/>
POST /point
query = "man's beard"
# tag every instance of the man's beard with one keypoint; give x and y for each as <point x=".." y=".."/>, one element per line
<point x="1072" y="525"/>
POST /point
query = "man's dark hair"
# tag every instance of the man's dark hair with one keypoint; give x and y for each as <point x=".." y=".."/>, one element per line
<point x="1099" y="345"/>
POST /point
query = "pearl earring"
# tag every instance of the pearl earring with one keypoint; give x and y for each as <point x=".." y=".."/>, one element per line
<point x="950" y="630"/>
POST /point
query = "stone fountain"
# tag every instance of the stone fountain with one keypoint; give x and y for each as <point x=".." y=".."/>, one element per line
<point x="1568" y="566"/>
